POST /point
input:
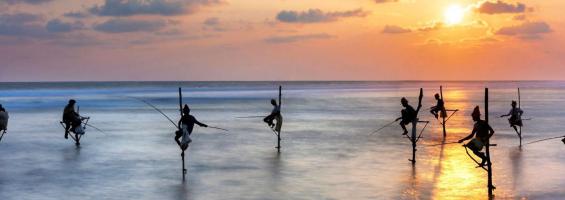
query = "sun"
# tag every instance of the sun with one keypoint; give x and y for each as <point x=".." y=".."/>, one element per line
<point x="454" y="14"/>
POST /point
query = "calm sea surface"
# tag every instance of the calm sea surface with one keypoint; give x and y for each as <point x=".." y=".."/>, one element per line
<point x="327" y="152"/>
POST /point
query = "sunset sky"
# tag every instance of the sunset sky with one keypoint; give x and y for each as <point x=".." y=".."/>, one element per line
<point x="194" y="40"/>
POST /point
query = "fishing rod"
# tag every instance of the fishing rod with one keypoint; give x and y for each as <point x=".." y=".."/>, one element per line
<point x="432" y="145"/>
<point x="381" y="128"/>
<point x="552" y="138"/>
<point x="223" y="129"/>
<point x="158" y="110"/>
<point x="247" y="117"/>
<point x="96" y="128"/>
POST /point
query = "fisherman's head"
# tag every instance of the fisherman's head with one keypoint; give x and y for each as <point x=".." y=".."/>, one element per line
<point x="476" y="114"/>
<point x="72" y="102"/>
<point x="436" y="96"/>
<point x="404" y="102"/>
<point x="513" y="104"/>
<point x="186" y="109"/>
<point x="273" y="102"/>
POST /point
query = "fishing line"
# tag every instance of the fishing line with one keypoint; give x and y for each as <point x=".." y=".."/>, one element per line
<point x="381" y="128"/>
<point x="552" y="138"/>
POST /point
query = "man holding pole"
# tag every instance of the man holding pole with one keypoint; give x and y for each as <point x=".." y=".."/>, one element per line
<point x="408" y="114"/>
<point x="482" y="132"/>
<point x="275" y="115"/>
<point x="515" y="119"/>
<point x="186" y="125"/>
<point x="435" y="110"/>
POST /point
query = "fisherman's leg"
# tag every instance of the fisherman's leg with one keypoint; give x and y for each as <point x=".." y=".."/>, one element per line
<point x="480" y="155"/>
<point x="67" y="127"/>
<point x="434" y="112"/>
<point x="516" y="129"/>
<point x="269" y="120"/>
<point x="178" y="134"/>
<point x="403" y="125"/>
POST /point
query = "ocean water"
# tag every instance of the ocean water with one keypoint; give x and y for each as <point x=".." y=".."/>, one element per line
<point x="327" y="152"/>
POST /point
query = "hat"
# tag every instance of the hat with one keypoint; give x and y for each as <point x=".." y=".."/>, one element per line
<point x="186" y="108"/>
<point x="476" y="112"/>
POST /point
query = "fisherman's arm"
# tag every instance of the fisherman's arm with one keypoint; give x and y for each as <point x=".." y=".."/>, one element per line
<point x="469" y="136"/>
<point x="200" y="123"/>
<point x="509" y="113"/>
<point x="491" y="131"/>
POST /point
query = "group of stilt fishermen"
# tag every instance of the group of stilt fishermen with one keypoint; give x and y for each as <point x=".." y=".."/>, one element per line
<point x="74" y="123"/>
<point x="481" y="132"/>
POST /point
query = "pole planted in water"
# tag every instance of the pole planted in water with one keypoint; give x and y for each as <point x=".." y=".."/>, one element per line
<point x="182" y="153"/>
<point x="280" y="110"/>
<point x="489" y="166"/>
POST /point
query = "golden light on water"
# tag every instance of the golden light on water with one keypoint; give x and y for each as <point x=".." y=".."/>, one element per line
<point x="458" y="178"/>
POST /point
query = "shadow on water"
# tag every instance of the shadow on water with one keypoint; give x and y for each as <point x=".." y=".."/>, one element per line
<point x="438" y="168"/>
<point x="182" y="190"/>
<point x="71" y="153"/>
<point x="515" y="155"/>
<point x="275" y="167"/>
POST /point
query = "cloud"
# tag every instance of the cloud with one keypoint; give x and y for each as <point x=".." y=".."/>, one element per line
<point x="499" y="7"/>
<point x="212" y="21"/>
<point x="149" y="7"/>
<point x="393" y="29"/>
<point x="296" y="38"/>
<point x="526" y="30"/>
<point x="120" y="25"/>
<point x="431" y="26"/>
<point x="78" y="15"/>
<point x="25" y="1"/>
<point x="58" y="26"/>
<point x="386" y="1"/>
<point x="21" y="25"/>
<point x="519" y="17"/>
<point x="317" y="15"/>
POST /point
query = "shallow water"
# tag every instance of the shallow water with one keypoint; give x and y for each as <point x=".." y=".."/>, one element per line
<point x="326" y="150"/>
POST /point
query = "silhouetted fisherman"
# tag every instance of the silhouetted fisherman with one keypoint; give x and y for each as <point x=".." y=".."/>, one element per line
<point x="408" y="115"/>
<point x="275" y="115"/>
<point x="71" y="118"/>
<point x="482" y="132"/>
<point x="515" y="119"/>
<point x="435" y="110"/>
<point x="3" y="119"/>
<point x="186" y="124"/>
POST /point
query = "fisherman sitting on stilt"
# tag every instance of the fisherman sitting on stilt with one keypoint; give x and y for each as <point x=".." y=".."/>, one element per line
<point x="435" y="110"/>
<point x="408" y="115"/>
<point x="482" y="132"/>
<point x="72" y="119"/>
<point x="515" y="119"/>
<point x="186" y="124"/>
<point x="275" y="115"/>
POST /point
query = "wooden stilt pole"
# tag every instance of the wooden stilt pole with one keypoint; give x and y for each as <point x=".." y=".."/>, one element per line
<point x="441" y="112"/>
<point x="414" y="138"/>
<point x="489" y="165"/>
<point x="519" y="127"/>
<point x="279" y="132"/>
<point x="182" y="153"/>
